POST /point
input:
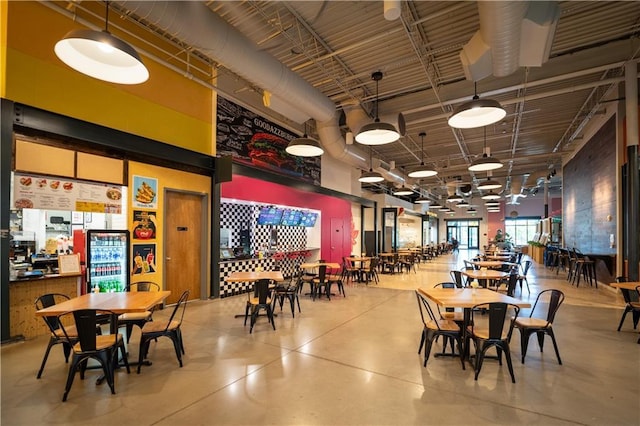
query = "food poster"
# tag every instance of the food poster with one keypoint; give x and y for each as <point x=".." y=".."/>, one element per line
<point x="144" y="193"/>
<point x="144" y="259"/>
<point x="256" y="141"/>
<point x="144" y="225"/>
<point x="50" y="193"/>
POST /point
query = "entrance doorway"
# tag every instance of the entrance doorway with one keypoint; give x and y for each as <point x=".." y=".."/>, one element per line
<point x="185" y="244"/>
<point x="467" y="232"/>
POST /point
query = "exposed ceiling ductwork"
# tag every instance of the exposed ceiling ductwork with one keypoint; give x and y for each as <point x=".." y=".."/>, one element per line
<point x="195" y="24"/>
<point x="512" y="34"/>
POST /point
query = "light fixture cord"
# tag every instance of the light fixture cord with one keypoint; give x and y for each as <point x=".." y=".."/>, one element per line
<point x="422" y="150"/>
<point x="376" y="106"/>
<point x="106" y="18"/>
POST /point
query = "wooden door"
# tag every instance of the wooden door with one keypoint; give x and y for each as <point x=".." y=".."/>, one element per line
<point x="184" y="240"/>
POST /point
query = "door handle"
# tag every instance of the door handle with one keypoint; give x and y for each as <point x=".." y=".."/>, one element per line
<point x="167" y="258"/>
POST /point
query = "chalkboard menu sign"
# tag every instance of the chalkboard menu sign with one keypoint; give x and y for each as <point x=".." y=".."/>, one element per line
<point x="255" y="141"/>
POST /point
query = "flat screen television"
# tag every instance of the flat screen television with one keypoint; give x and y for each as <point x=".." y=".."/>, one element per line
<point x="308" y="219"/>
<point x="270" y="216"/>
<point x="291" y="218"/>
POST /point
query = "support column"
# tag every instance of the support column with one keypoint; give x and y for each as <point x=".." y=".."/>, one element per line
<point x="633" y="192"/>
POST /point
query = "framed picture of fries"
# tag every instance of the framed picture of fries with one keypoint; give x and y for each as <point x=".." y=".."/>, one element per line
<point x="145" y="192"/>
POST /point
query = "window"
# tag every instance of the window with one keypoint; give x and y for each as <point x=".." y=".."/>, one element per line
<point x="521" y="229"/>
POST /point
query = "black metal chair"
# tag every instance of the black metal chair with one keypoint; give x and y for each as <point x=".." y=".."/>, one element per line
<point x="632" y="304"/>
<point x="523" y="276"/>
<point x="496" y="333"/>
<point x="103" y="347"/>
<point x="290" y="292"/>
<point x="57" y="336"/>
<point x="456" y="276"/>
<point x="129" y="319"/>
<point x="324" y="281"/>
<point x="434" y="327"/>
<point x="540" y="326"/>
<point x="171" y="329"/>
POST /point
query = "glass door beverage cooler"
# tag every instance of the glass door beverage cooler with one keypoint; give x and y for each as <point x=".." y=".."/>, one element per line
<point x="107" y="260"/>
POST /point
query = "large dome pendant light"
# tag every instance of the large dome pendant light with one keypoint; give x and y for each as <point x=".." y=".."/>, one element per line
<point x="489" y="183"/>
<point x="377" y="133"/>
<point x="486" y="162"/>
<point x="100" y="55"/>
<point x="422" y="171"/>
<point x="476" y="113"/>
<point x="304" y="146"/>
<point x="370" y="176"/>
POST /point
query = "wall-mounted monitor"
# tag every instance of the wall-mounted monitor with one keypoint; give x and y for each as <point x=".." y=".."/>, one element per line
<point x="291" y="217"/>
<point x="270" y="216"/>
<point x="308" y="219"/>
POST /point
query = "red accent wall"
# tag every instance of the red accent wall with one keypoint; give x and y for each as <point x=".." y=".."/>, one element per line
<point x="249" y="189"/>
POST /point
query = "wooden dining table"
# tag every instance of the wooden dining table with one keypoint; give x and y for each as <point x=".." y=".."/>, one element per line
<point x="491" y="263"/>
<point x="483" y="275"/>
<point x="467" y="298"/>
<point x="120" y="302"/>
<point x="253" y="276"/>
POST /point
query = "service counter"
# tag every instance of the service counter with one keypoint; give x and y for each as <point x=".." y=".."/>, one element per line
<point x="22" y="295"/>
<point x="287" y="261"/>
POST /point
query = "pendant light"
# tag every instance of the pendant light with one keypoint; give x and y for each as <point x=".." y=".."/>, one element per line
<point x="490" y="196"/>
<point x="422" y="200"/>
<point x="486" y="162"/>
<point x="377" y="133"/>
<point x="100" y="55"/>
<point x="370" y="176"/>
<point x="490" y="203"/>
<point x="489" y="183"/>
<point x="435" y="206"/>
<point x="463" y="204"/>
<point x="422" y="171"/>
<point x="304" y="146"/>
<point x="403" y="191"/>
<point x="455" y="198"/>
<point x="476" y="113"/>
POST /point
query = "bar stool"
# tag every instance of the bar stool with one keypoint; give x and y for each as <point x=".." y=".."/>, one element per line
<point x="585" y="267"/>
<point x="562" y="260"/>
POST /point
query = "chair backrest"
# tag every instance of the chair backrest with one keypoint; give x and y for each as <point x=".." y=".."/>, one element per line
<point x="497" y="316"/>
<point x="527" y="265"/>
<point x="47" y="300"/>
<point x="556" y="297"/>
<point x="181" y="305"/>
<point x="322" y="273"/>
<point x="511" y="284"/>
<point x="446" y="285"/>
<point x="87" y="321"/>
<point x="457" y="277"/>
<point x="423" y="305"/>
<point x="143" y="286"/>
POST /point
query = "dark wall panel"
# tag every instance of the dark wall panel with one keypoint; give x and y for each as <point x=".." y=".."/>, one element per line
<point x="589" y="195"/>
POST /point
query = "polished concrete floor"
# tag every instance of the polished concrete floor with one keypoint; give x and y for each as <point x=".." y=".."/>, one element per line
<point x="348" y="361"/>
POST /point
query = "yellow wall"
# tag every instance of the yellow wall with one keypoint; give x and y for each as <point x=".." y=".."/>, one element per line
<point x="167" y="179"/>
<point x="168" y="107"/>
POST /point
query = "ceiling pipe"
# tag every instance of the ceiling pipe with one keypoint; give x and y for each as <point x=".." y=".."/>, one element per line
<point x="197" y="25"/>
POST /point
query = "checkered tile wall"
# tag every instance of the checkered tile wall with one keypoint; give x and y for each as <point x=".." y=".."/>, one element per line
<point x="291" y="243"/>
